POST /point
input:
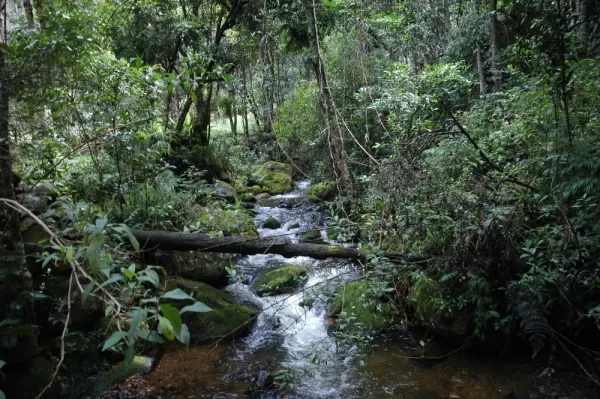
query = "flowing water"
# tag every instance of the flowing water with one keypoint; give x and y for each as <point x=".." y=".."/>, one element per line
<point x="293" y="338"/>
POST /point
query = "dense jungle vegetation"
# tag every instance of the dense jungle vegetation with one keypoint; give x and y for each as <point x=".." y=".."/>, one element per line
<point x="464" y="134"/>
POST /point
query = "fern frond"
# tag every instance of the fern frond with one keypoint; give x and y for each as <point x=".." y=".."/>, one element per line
<point x="533" y="322"/>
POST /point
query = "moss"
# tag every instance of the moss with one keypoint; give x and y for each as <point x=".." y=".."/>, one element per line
<point x="248" y="197"/>
<point x="323" y="191"/>
<point x="310" y="236"/>
<point x="226" y="317"/>
<point x="278" y="281"/>
<point x="229" y="222"/>
<point x="254" y="190"/>
<point x="280" y="167"/>
<point x="353" y="298"/>
<point x="271" y="223"/>
<point x="313" y="198"/>
<point x="274" y="177"/>
<point x="122" y="371"/>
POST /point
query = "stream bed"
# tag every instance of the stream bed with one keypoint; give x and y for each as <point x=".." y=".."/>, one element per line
<point x="296" y="340"/>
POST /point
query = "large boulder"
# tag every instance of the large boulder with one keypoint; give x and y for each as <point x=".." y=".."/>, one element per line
<point x="198" y="266"/>
<point x="279" y="281"/>
<point x="273" y="177"/>
<point x="322" y="191"/>
<point x="224" y="190"/>
<point x="226" y="320"/>
<point x="355" y="300"/>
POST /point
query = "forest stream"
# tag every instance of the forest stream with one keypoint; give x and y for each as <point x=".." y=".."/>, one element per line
<point x="297" y="341"/>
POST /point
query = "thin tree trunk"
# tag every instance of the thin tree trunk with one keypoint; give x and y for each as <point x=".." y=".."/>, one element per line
<point x="176" y="241"/>
<point x="338" y="153"/>
<point x="16" y="300"/>
<point x="28" y="8"/>
<point x="201" y="124"/>
<point x="494" y="44"/>
<point x="244" y="98"/>
<point x="480" y="71"/>
<point x="183" y="115"/>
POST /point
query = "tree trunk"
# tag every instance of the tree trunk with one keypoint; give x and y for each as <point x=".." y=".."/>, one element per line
<point x="28" y="8"/>
<point x="202" y="121"/>
<point x="496" y="71"/>
<point x="183" y="115"/>
<point x="480" y="71"/>
<point x="16" y="299"/>
<point x="176" y="241"/>
<point x="336" y="143"/>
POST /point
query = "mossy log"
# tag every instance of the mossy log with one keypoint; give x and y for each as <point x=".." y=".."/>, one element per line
<point x="176" y="241"/>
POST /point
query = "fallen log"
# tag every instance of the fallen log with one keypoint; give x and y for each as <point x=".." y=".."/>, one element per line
<point x="176" y="241"/>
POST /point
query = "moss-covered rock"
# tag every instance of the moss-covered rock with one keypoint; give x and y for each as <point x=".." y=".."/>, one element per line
<point x="279" y="281"/>
<point x="231" y="221"/>
<point x="274" y="177"/>
<point x="226" y="319"/>
<point x="248" y="197"/>
<point x="197" y="266"/>
<point x="254" y="189"/>
<point x="262" y="196"/>
<point x="354" y="300"/>
<point x="124" y="370"/>
<point x="323" y="191"/>
<point x="224" y="190"/>
<point x="271" y="223"/>
<point x="311" y="236"/>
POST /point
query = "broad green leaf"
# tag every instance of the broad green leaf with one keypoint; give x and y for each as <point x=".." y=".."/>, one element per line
<point x="93" y="255"/>
<point x="177" y="293"/>
<point x="171" y="313"/>
<point x="138" y="316"/>
<point x="197" y="307"/>
<point x="125" y="229"/>
<point x="153" y="277"/>
<point x="2" y="364"/>
<point x="108" y="310"/>
<point x="2" y="396"/>
<point x="101" y="223"/>
<point x="113" y="340"/>
<point x="148" y="335"/>
<point x="70" y="254"/>
<point x="86" y="292"/>
<point x="184" y="335"/>
<point x="165" y="328"/>
<point x="112" y="279"/>
<point x="129" y="354"/>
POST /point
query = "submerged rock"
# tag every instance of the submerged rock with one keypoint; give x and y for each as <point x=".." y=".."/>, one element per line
<point x="355" y="300"/>
<point x="226" y="320"/>
<point x="281" y="280"/>
<point x="271" y="223"/>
